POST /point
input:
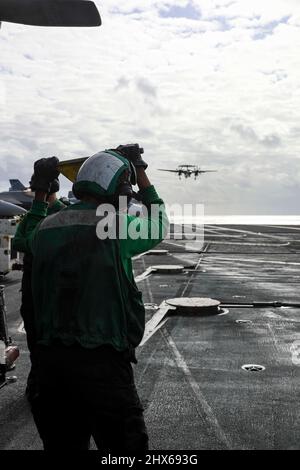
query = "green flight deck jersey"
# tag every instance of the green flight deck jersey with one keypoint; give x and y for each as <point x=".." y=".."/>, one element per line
<point x="19" y="241"/>
<point x="83" y="287"/>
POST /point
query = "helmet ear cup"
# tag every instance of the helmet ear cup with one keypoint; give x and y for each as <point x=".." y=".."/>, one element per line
<point x="125" y="185"/>
<point x="125" y="189"/>
<point x="133" y="178"/>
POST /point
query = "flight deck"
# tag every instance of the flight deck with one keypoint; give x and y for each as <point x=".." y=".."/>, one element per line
<point x="227" y="380"/>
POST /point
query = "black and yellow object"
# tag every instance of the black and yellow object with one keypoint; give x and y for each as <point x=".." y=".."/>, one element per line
<point x="50" y="12"/>
<point x="70" y="168"/>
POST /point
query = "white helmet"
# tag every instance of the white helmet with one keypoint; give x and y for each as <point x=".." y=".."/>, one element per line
<point x="99" y="175"/>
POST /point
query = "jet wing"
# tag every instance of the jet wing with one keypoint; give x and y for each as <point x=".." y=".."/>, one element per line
<point x="10" y="210"/>
<point x="172" y="171"/>
<point x="10" y="200"/>
<point x="207" y="171"/>
<point x="50" y="12"/>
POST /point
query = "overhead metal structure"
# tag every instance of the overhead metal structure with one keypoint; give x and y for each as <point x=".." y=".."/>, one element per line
<point x="68" y="13"/>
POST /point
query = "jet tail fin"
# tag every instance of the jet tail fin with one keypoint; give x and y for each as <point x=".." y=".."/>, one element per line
<point x="16" y="185"/>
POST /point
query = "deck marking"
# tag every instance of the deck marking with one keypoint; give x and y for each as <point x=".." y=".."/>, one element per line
<point x="205" y="411"/>
<point x="249" y="232"/>
<point x="144" y="275"/>
<point x="156" y="322"/>
<point x="138" y="256"/>
<point x="183" y="246"/>
<point x="287" y="263"/>
<point x="287" y="227"/>
<point x="195" y="269"/>
<point x="249" y="243"/>
<point x="21" y="328"/>
<point x="275" y="342"/>
<point x="149" y="291"/>
<point x="149" y="360"/>
<point x="295" y="351"/>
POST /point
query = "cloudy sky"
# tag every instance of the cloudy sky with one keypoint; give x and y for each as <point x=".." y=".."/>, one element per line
<point x="209" y="82"/>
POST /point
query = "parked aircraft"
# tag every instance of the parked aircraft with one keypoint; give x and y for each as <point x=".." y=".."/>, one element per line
<point x="16" y="185"/>
<point x="15" y="195"/>
<point x="10" y="210"/>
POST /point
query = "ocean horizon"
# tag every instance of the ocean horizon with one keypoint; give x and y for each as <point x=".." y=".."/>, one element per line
<point x="238" y="220"/>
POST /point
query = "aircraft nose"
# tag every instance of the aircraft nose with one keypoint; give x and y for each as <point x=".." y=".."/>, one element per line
<point x="10" y="210"/>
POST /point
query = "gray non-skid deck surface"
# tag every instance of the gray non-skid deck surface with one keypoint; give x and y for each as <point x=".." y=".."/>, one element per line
<point x="189" y="375"/>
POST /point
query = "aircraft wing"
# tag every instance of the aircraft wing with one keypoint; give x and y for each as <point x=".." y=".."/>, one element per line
<point x="10" y="210"/>
<point x="172" y="171"/>
<point x="10" y="199"/>
<point x="207" y="171"/>
<point x="50" y="12"/>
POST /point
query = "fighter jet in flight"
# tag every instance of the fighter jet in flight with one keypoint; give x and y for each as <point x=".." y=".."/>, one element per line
<point x="50" y="12"/>
<point x="188" y="171"/>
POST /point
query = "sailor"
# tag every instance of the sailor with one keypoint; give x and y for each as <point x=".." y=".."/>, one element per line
<point x="27" y="307"/>
<point x="89" y="313"/>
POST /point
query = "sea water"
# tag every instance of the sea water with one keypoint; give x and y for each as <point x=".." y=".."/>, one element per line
<point x="238" y="220"/>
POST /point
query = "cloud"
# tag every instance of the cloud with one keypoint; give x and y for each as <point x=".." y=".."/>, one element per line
<point x="176" y="11"/>
<point x="146" y="87"/>
<point x="122" y="83"/>
<point x="262" y="31"/>
<point x="247" y="133"/>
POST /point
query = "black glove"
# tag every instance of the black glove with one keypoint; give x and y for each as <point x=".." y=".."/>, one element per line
<point x="54" y="187"/>
<point x="45" y="172"/>
<point x="133" y="153"/>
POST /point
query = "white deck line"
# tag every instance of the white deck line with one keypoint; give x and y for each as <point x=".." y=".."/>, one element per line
<point x="204" y="410"/>
<point x="156" y="322"/>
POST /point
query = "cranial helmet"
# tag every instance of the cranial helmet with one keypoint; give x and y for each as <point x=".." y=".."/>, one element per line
<point x="100" y="175"/>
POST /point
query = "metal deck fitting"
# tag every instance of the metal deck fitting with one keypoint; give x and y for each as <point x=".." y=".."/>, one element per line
<point x="168" y="268"/>
<point x="253" y="368"/>
<point x="195" y="305"/>
<point x="157" y="252"/>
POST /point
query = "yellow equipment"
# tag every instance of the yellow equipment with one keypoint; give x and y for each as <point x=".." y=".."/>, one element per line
<point x="70" y="168"/>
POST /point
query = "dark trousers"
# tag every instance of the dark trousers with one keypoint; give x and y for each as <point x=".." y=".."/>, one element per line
<point x="27" y="314"/>
<point x="84" y="393"/>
